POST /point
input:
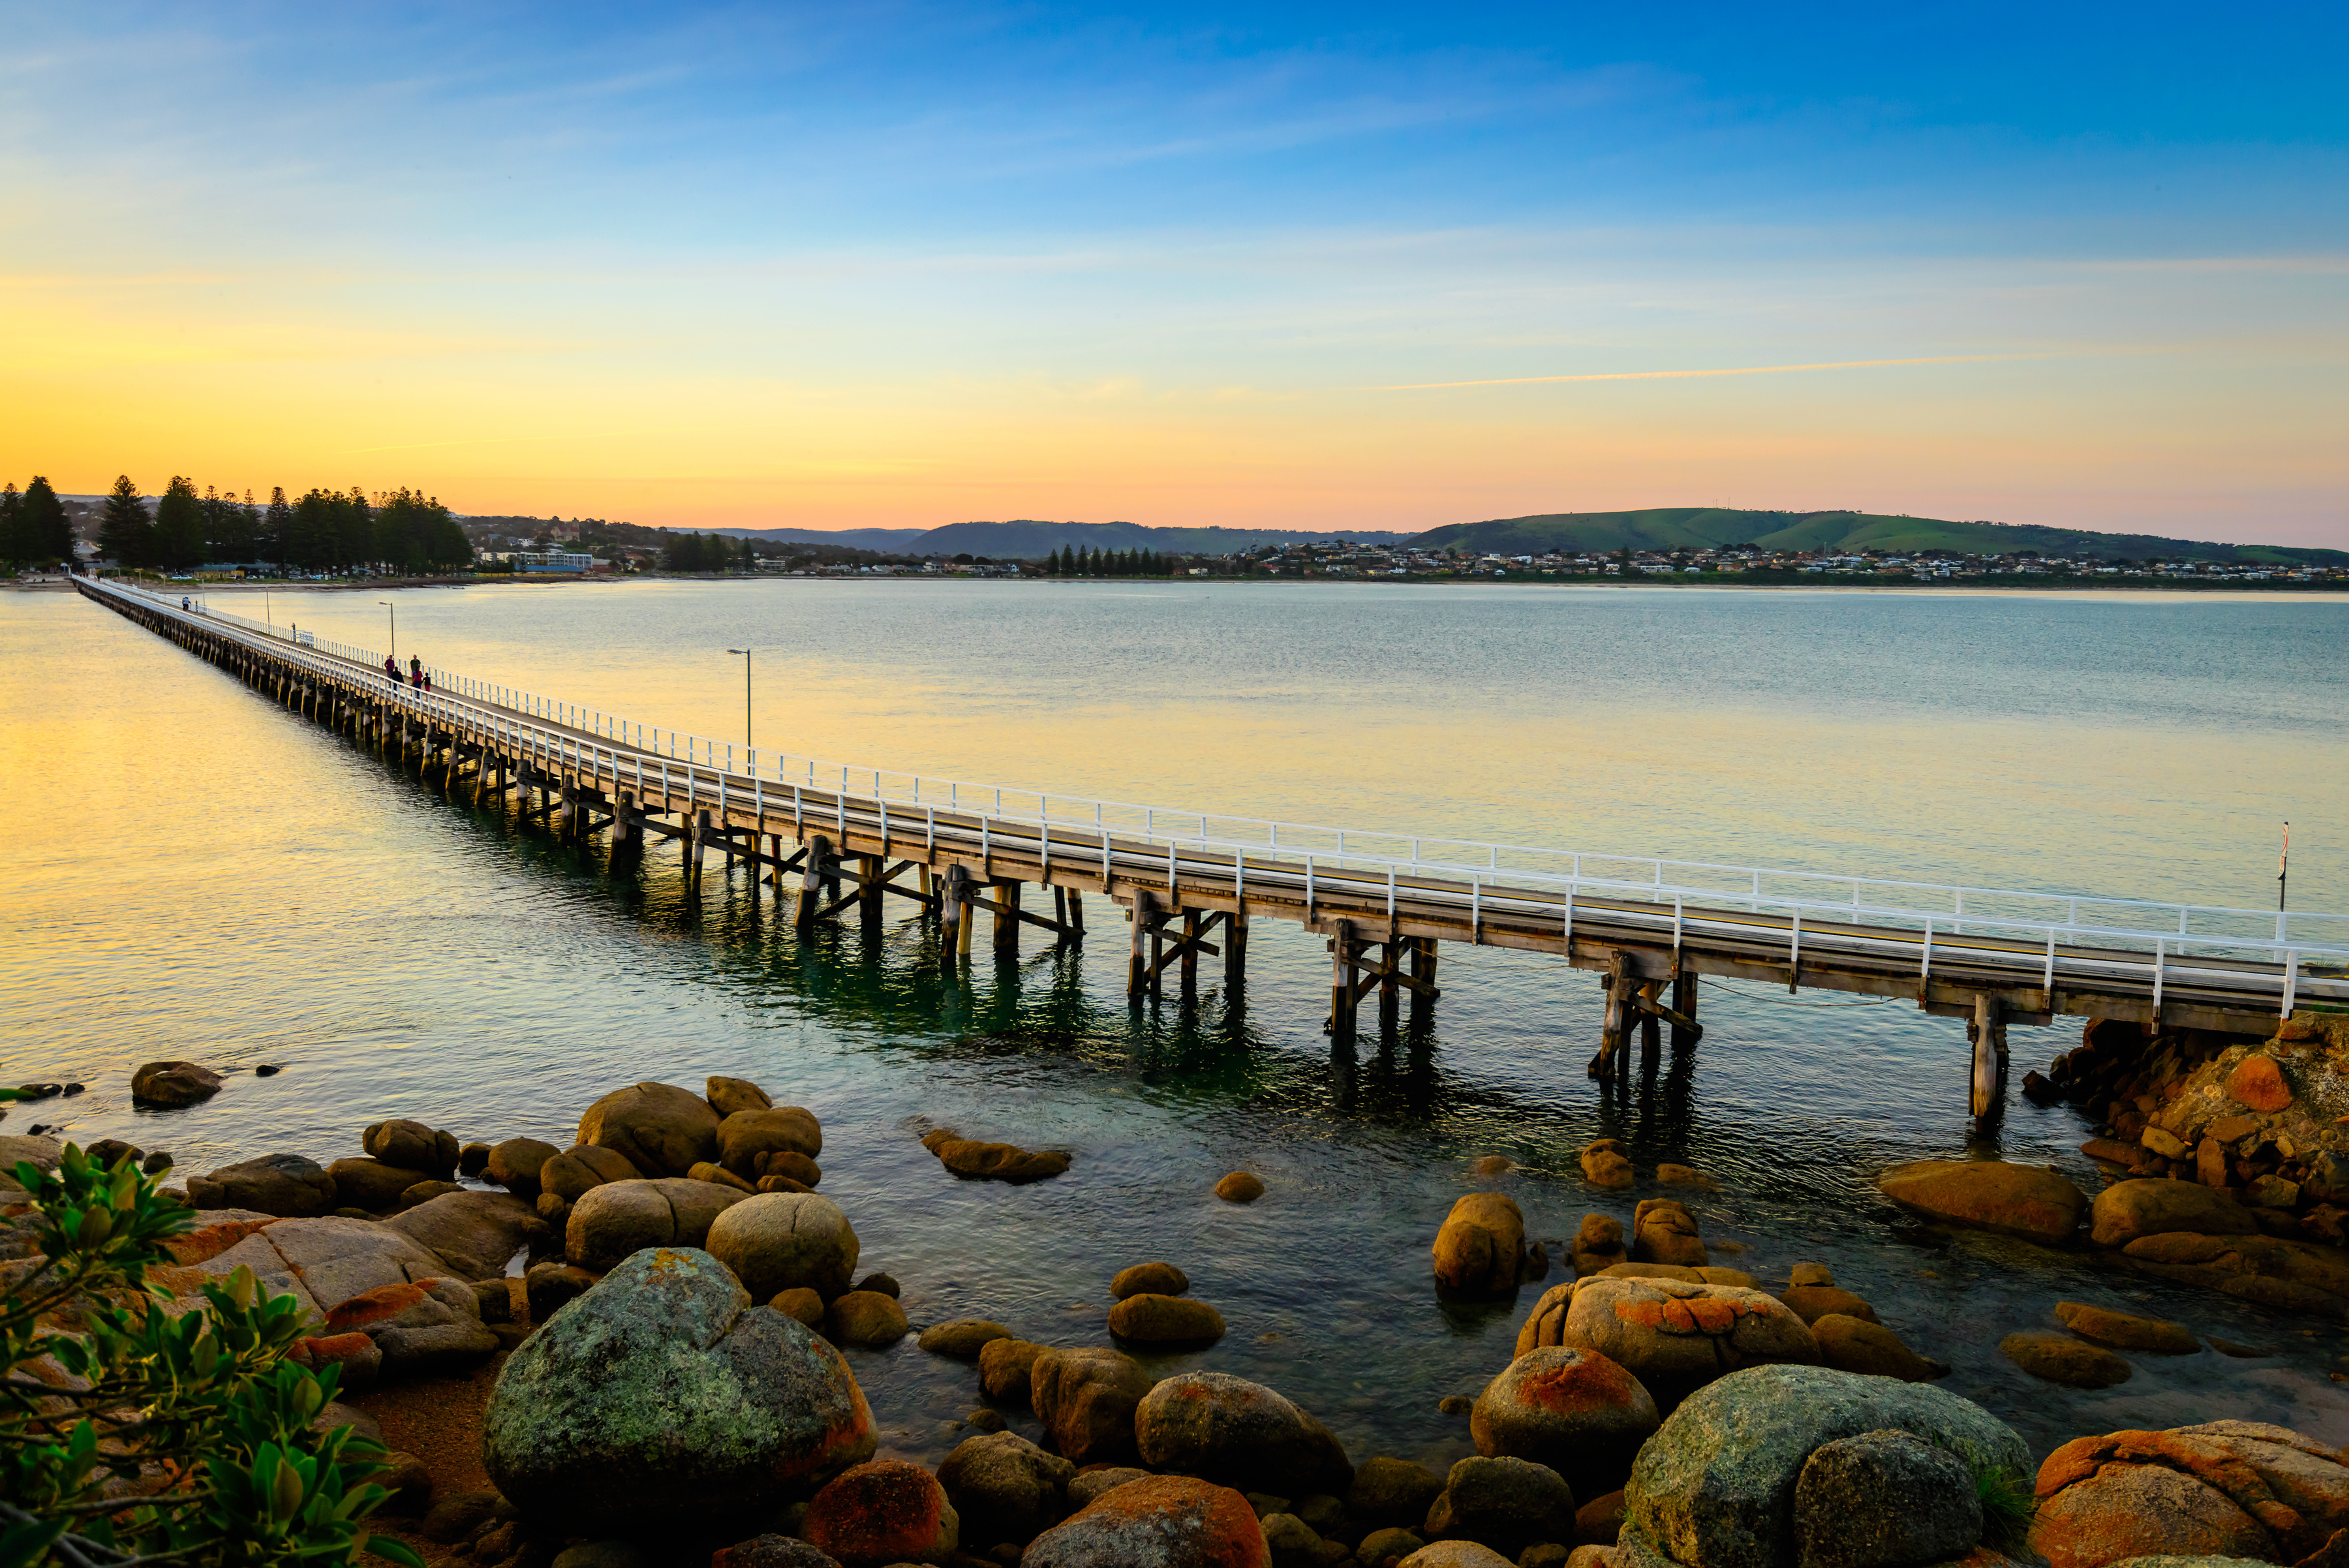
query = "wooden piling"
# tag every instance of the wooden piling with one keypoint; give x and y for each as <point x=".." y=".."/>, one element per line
<point x="1341" y="983"/>
<point x="819" y="855"/>
<point x="869" y="868"/>
<point x="1007" y="918"/>
<point x="1989" y="1031"/>
<point x="1236" y="930"/>
<point x="951" y="913"/>
<point x="1137" y="967"/>
<point x="1190" y="954"/>
<point x="1652" y="1029"/>
<point x="1684" y="1003"/>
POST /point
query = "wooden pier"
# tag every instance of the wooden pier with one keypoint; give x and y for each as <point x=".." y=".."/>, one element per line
<point x="836" y="851"/>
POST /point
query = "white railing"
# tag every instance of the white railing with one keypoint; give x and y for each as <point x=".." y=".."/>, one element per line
<point x="2074" y="937"/>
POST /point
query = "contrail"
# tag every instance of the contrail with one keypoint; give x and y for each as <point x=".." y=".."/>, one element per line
<point x="1681" y="375"/>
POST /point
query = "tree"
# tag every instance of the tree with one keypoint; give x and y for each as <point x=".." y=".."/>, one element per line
<point x="124" y="533"/>
<point x="276" y="527"/>
<point x="203" y="1415"/>
<point x="14" y="546"/>
<point x="179" y="534"/>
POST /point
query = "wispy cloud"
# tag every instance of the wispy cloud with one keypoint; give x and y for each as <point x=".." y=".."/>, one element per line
<point x="1691" y="375"/>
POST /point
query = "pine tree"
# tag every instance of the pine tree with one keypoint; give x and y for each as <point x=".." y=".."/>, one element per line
<point x="277" y="526"/>
<point x="14" y="546"/>
<point x="179" y="526"/>
<point x="124" y="534"/>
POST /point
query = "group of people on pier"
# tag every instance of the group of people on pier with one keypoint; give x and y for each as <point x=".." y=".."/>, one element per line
<point x="418" y="676"/>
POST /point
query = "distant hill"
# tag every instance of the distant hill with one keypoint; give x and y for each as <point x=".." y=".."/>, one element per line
<point x="1026" y="539"/>
<point x="1689" y="527"/>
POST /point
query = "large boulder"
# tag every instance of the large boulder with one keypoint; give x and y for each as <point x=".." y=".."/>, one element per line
<point x="1574" y="1410"/>
<point x="618" y="1218"/>
<point x="570" y="1174"/>
<point x="1005" y="1487"/>
<point x="1165" y="1320"/>
<point x="963" y="1337"/>
<point x="369" y="1183"/>
<point x="477" y="1233"/>
<point x="1716" y="1485"/>
<point x="1851" y="1344"/>
<point x="747" y="1133"/>
<point x="881" y="1513"/>
<point x="1006" y="1162"/>
<point x="1884" y="1498"/>
<point x="2155" y="1206"/>
<point x="1598" y="1246"/>
<point x="2300" y="1276"/>
<point x="1391" y="1491"/>
<point x="785" y="1240"/>
<point x="2223" y="1488"/>
<point x="1167" y="1522"/>
<point x="418" y="1329"/>
<point x="662" y="1396"/>
<point x="1675" y="1336"/>
<point x="1481" y="1245"/>
<point x="1086" y="1399"/>
<point x="174" y="1084"/>
<point x="412" y="1146"/>
<point x="1546" y="1324"/>
<point x="1504" y="1504"/>
<point x="1158" y="1279"/>
<point x="514" y="1165"/>
<point x="286" y="1185"/>
<point x="1664" y="1232"/>
<point x="1005" y="1368"/>
<point x="659" y="1129"/>
<point x="1226" y="1428"/>
<point x="2026" y="1201"/>
<point x="727" y="1095"/>
<point x="323" y="1261"/>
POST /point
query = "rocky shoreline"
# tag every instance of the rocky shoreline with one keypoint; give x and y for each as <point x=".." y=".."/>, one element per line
<point x="630" y="1352"/>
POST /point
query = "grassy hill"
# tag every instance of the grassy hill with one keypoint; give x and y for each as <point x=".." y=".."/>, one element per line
<point x="1693" y="528"/>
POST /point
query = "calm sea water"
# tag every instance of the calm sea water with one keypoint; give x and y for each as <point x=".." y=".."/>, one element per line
<point x="197" y="873"/>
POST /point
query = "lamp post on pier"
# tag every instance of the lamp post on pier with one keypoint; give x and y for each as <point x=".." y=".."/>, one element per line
<point x="746" y="693"/>
<point x="393" y="610"/>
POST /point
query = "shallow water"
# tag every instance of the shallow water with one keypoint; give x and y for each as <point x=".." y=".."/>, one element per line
<point x="197" y="873"/>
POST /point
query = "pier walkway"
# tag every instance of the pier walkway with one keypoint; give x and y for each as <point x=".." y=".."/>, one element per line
<point x="838" y="839"/>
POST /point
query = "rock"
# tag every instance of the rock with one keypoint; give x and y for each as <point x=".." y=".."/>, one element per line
<point x="1240" y="1186"/>
<point x="1478" y="1249"/>
<point x="1005" y="1486"/>
<point x="1493" y="1165"/>
<point x="886" y="1285"/>
<point x="782" y="1184"/>
<point x="2026" y="1201"/>
<point x="1714" y="1485"/>
<point x="1005" y="1368"/>
<point x="2258" y="1083"/>
<point x="457" y="1516"/>
<point x="727" y="1095"/>
<point x="2272" y="1193"/>
<point x="865" y="1319"/>
<point x="619" y="1218"/>
<point x="514" y="1165"/>
<point x="776" y="1240"/>
<point x="706" y="1170"/>
<point x="963" y="1339"/>
<point x="985" y="1419"/>
<point x="549" y="1287"/>
<point x="1674" y="1338"/>
<point x="410" y="1483"/>
<point x="1503" y="1503"/>
<point x="425" y="1192"/>
<point x="1095" y="1479"/>
<point x="1863" y="1345"/>
<point x="1884" y="1499"/>
<point x="2297" y="1275"/>
<point x="1164" y="1521"/>
<point x="555" y="1209"/>
<point x="1598" y="1521"/>
<point x="2128" y="1209"/>
<point x="570" y="1174"/>
<point x="1573" y="1410"/>
<point x="771" y="1551"/>
<point x="472" y="1158"/>
<point x="746" y="1135"/>
<point x="1229" y="1429"/>
<point x="478" y="1233"/>
<point x="1393" y="1543"/>
<point x="355" y="1353"/>
<point x="281" y="1184"/>
<point x="1664" y="1232"/>
<point x="1086" y="1399"/>
<point x="789" y="1164"/>
<point x="108" y="1152"/>
<point x="1392" y="1491"/>
<point x="881" y="1513"/>
<point x="1803" y="1275"/>
<point x="1598" y="1245"/>
<point x="803" y="1303"/>
<point x="2127" y="1331"/>
<point x="174" y="1084"/>
<point x="2231" y="1489"/>
<point x="2058" y="1358"/>
<point x="157" y="1162"/>
<point x="2163" y="1142"/>
<point x="659" y="1129"/>
<point x="429" y="1327"/>
<point x="328" y="1260"/>
<point x="1604" y="1164"/>
<point x="1536" y="1262"/>
<point x="496" y="1300"/>
<point x="661" y="1396"/>
<point x="975" y="1161"/>
<point x="1165" y="1320"/>
<point x="1456" y="1405"/>
<point x="1684" y="1175"/>
<point x="1149" y="1279"/>
<point x="1812" y="1303"/>
<point x="372" y="1185"/>
<point x="412" y="1146"/>
<point x="1456" y="1554"/>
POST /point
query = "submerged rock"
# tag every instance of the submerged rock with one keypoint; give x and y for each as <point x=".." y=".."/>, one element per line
<point x="1150" y="1278"/>
<point x="1165" y="1320"/>
<point x="2156" y="1206"/>
<point x="2025" y="1200"/>
<point x="174" y="1084"/>
<point x="1240" y="1186"/>
<point x="662" y="1395"/>
<point x="1481" y="1246"/>
<point x="2126" y="1331"/>
<point x="1604" y="1164"/>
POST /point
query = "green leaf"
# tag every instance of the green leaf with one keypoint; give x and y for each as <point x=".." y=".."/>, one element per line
<point x="392" y="1550"/>
<point x="27" y="1543"/>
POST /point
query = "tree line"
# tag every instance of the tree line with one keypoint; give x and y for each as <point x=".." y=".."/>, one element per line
<point x="34" y="528"/>
<point x="1076" y="562"/>
<point x="705" y="553"/>
<point x="324" y="531"/>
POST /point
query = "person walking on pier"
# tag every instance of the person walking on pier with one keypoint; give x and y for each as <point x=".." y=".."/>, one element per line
<point x="391" y="668"/>
<point x="415" y="671"/>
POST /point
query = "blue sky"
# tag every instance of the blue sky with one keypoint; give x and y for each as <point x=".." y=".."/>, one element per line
<point x="898" y="263"/>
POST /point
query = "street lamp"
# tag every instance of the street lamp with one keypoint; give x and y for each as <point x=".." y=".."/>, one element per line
<point x="746" y="692"/>
<point x="394" y="612"/>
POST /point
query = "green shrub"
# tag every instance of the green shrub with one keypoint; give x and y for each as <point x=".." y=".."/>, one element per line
<point x="154" y="1437"/>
